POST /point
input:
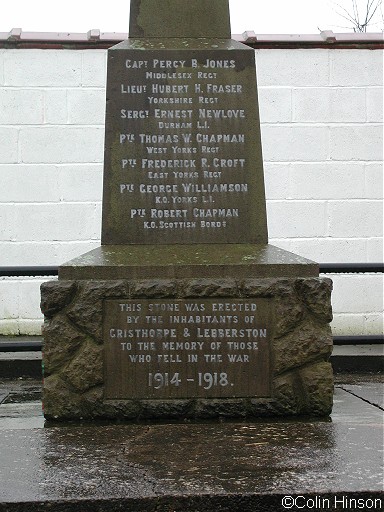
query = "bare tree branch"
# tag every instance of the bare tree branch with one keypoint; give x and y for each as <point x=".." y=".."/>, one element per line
<point x="359" y="19"/>
<point x="347" y="15"/>
<point x="355" y="12"/>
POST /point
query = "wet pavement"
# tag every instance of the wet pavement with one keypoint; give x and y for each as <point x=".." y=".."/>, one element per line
<point x="247" y="465"/>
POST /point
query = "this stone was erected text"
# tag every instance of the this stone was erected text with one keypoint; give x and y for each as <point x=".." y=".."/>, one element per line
<point x="181" y="156"/>
<point x="186" y="348"/>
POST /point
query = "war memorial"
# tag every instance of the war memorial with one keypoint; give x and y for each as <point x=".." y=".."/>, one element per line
<point x="185" y="310"/>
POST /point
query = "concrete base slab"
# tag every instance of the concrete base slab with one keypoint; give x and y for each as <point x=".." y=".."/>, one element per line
<point x="371" y="393"/>
<point x="228" y="466"/>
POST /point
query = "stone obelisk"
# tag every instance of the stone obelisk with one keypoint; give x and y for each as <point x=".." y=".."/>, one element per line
<point x="183" y="161"/>
<point x="185" y="310"/>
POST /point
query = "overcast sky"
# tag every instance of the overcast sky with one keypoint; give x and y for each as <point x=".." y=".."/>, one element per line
<point x="261" y="16"/>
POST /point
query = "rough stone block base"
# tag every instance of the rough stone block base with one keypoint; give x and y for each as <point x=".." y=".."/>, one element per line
<point x="300" y="348"/>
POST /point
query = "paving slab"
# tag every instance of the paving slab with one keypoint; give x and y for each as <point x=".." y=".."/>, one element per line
<point x="371" y="393"/>
<point x="191" y="466"/>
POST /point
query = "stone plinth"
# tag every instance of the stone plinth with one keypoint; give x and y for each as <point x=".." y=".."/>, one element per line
<point x="87" y="366"/>
<point x="181" y="261"/>
<point x="185" y="311"/>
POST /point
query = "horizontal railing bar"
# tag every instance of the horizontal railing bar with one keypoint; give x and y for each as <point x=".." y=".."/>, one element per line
<point x="35" y="346"/>
<point x="368" y="339"/>
<point x="325" y="268"/>
<point x="355" y="268"/>
<point x="29" y="271"/>
<point x="21" y="346"/>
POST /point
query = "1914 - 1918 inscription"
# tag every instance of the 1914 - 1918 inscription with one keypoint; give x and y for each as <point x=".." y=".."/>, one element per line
<point x="186" y="348"/>
<point x="183" y="159"/>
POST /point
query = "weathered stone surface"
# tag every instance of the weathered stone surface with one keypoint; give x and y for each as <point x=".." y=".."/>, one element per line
<point x="166" y="409"/>
<point x="144" y="338"/>
<point x="262" y="287"/>
<point x="250" y="263"/>
<point x="55" y="295"/>
<point x="58" y="401"/>
<point x="210" y="288"/>
<point x="230" y="408"/>
<point x="133" y="212"/>
<point x="259" y="408"/>
<point x="307" y="343"/>
<point x="86" y="369"/>
<point x="317" y="385"/>
<point x="288" y="394"/>
<point x="288" y="312"/>
<point x="160" y="288"/>
<point x="151" y="18"/>
<point x="117" y="409"/>
<point x="316" y="295"/>
<point x="94" y="406"/>
<point x="61" y="341"/>
<point x="87" y="312"/>
<point x="302" y="383"/>
<point x="288" y="309"/>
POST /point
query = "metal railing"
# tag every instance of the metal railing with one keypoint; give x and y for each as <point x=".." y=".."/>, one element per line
<point x="325" y="268"/>
<point x="8" y="345"/>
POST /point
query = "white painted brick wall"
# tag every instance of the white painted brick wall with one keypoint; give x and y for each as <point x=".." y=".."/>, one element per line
<point x="375" y="104"/>
<point x="21" y="106"/>
<point x="321" y="112"/>
<point x="294" y="68"/>
<point x="39" y="68"/>
<point x="355" y="300"/>
<point x="357" y="142"/>
<point x="329" y="105"/>
<point x="20" y="305"/>
<point x="297" y="219"/>
<point x="295" y="142"/>
<point x="363" y="67"/>
<point x="325" y="181"/>
<point x="9" y="145"/>
<point x="47" y="145"/>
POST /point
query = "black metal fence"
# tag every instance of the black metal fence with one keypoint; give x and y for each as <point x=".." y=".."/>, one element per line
<point x="9" y="344"/>
<point x="325" y="268"/>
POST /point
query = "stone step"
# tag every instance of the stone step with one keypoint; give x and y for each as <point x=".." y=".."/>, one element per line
<point x="191" y="466"/>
